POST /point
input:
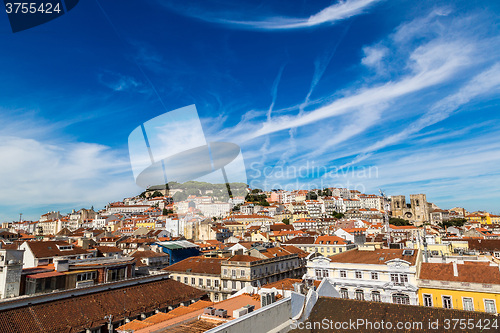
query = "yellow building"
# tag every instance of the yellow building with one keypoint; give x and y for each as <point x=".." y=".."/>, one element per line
<point x="146" y="224"/>
<point x="447" y="248"/>
<point x="478" y="218"/>
<point x="471" y="286"/>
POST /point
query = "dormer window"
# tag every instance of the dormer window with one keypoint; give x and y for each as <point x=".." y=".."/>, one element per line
<point x="64" y="247"/>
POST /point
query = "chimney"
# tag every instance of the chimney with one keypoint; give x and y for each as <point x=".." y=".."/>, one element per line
<point x="455" y="269"/>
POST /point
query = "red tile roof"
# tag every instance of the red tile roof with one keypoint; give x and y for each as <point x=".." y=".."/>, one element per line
<point x="376" y="257"/>
<point x="75" y="314"/>
<point x="466" y="273"/>
<point x="47" y="249"/>
<point x="199" y="265"/>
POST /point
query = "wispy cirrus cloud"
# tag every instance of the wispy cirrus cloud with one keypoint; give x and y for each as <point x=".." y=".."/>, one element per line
<point x="425" y="72"/>
<point x="332" y="14"/>
<point x="337" y="12"/>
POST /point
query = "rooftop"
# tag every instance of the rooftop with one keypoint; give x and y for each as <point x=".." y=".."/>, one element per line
<point x="75" y="314"/>
<point x="345" y="310"/>
<point x="374" y="257"/>
<point x="199" y="265"/>
<point x="467" y="272"/>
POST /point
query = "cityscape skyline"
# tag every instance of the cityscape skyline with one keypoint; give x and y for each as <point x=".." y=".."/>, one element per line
<point x="408" y="91"/>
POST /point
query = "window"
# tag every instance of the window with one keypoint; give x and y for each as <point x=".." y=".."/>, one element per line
<point x="400" y="299"/>
<point x="185" y="280"/>
<point x="209" y="283"/>
<point x="216" y="283"/>
<point x="193" y="281"/>
<point x="200" y="282"/>
<point x="179" y="278"/>
<point x="359" y="275"/>
<point x="489" y="306"/>
<point x="216" y="297"/>
<point x="343" y="274"/>
<point x="233" y="273"/>
<point x="447" y="304"/>
<point x="468" y="304"/>
<point x="224" y="284"/>
<point x="427" y="300"/>
<point x="344" y="293"/>
<point x="375" y="296"/>
<point x="374" y="276"/>
<point x="225" y="271"/>
<point x="234" y="285"/>
<point x="360" y="295"/>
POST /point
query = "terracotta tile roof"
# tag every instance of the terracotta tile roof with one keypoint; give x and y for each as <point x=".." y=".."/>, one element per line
<point x="286" y="284"/>
<point x="376" y="257"/>
<point x="344" y="310"/>
<point x="484" y="244"/>
<point x="300" y="240"/>
<point x="330" y="240"/>
<point x="199" y="265"/>
<point x="108" y="249"/>
<point x="466" y="273"/>
<point x="293" y="249"/>
<point x="134" y="325"/>
<point x="71" y="315"/>
<point x="243" y="258"/>
<point x="47" y="249"/>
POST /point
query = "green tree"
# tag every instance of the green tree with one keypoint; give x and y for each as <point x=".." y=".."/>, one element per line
<point x="286" y="221"/>
<point x="398" y="221"/>
<point x="311" y="196"/>
<point x="179" y="196"/>
<point x="156" y="194"/>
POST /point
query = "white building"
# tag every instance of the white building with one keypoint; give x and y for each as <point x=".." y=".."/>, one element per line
<point x="11" y="266"/>
<point x="369" y="273"/>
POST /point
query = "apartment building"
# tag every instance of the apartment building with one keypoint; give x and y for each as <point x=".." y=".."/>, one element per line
<point x="369" y="273"/>
<point x="222" y="277"/>
<point x="469" y="286"/>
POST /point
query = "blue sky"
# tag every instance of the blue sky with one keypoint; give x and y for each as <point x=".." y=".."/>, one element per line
<point x="398" y="95"/>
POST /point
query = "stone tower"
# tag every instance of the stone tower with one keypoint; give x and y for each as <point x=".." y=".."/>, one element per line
<point x="420" y="208"/>
<point x="398" y="204"/>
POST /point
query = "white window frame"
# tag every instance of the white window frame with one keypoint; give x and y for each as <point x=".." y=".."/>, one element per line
<point x="471" y="303"/>
<point x="494" y="305"/>
<point x="374" y="275"/>
<point x="358" y="273"/>
<point x="343" y="274"/>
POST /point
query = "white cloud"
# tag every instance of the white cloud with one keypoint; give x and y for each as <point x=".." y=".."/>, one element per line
<point x="37" y="173"/>
<point x="339" y="11"/>
<point x="374" y="57"/>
